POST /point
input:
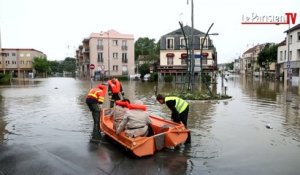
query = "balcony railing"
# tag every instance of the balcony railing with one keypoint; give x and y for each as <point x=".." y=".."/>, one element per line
<point x="99" y="47"/>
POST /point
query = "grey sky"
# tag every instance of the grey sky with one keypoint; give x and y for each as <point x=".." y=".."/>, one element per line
<point x="57" y="27"/>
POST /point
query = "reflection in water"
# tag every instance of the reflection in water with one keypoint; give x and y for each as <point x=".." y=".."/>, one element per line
<point x="47" y="121"/>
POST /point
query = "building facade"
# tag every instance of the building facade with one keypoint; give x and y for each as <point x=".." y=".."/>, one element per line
<point x="18" y="62"/>
<point x="288" y="54"/>
<point x="111" y="52"/>
<point x="174" y="54"/>
<point x="248" y="61"/>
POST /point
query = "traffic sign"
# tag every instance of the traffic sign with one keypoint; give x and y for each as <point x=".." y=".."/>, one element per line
<point x="92" y="66"/>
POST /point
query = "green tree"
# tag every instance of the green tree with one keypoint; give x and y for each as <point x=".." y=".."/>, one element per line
<point x="55" y="67"/>
<point x="41" y="65"/>
<point x="267" y="55"/>
<point x="144" y="69"/>
<point x="69" y="65"/>
<point x="230" y="66"/>
<point x="148" y="48"/>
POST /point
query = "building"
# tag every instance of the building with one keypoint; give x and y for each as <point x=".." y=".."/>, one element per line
<point x="248" y="61"/>
<point x="111" y="52"/>
<point x="288" y="54"/>
<point x="236" y="65"/>
<point x="18" y="62"/>
<point x="174" y="54"/>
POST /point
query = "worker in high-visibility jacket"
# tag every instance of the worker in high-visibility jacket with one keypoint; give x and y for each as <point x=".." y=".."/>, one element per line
<point x="115" y="91"/>
<point x="94" y="99"/>
<point x="179" y="108"/>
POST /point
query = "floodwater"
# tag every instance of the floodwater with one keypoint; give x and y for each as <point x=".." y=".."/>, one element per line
<point x="46" y="128"/>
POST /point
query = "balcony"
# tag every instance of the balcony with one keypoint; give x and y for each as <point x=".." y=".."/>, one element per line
<point x="86" y="50"/>
<point x="172" y="69"/>
<point x="99" y="47"/>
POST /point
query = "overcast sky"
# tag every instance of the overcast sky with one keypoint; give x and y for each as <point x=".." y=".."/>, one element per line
<point x="57" y="27"/>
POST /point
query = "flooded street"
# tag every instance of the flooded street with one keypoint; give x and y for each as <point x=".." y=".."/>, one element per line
<point x="46" y="128"/>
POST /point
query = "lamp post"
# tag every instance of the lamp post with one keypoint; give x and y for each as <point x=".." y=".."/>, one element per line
<point x="288" y="66"/>
<point x="108" y="61"/>
<point x="201" y="50"/>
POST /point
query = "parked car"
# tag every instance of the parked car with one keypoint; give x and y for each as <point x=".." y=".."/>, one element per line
<point x="147" y="77"/>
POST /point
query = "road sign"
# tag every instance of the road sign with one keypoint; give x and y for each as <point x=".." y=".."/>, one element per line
<point x="92" y="66"/>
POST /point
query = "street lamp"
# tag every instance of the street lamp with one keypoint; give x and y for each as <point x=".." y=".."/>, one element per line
<point x="201" y="49"/>
<point x="108" y="54"/>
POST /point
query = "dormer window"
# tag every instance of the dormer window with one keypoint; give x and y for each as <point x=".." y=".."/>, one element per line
<point x="170" y="43"/>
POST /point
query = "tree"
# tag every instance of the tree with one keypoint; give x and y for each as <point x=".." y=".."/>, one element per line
<point x="230" y="66"/>
<point x="147" y="48"/>
<point x="55" y="67"/>
<point x="41" y="65"/>
<point x="144" y="69"/>
<point x="69" y="65"/>
<point x="267" y="55"/>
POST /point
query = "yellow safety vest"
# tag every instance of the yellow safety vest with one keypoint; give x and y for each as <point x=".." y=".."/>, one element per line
<point x="97" y="94"/>
<point x="181" y="104"/>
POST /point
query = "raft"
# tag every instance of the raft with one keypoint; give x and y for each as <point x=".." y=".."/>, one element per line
<point x="164" y="133"/>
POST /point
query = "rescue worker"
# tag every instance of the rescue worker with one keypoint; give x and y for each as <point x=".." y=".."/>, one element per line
<point x="135" y="121"/>
<point x="115" y="90"/>
<point x="119" y="111"/>
<point x="93" y="99"/>
<point x="179" y="108"/>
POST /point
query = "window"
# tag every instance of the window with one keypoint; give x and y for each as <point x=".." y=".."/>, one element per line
<point x="183" y="61"/>
<point x="124" y="70"/>
<point x="13" y="54"/>
<point x="100" y="57"/>
<point x="298" y="36"/>
<point x="298" y="54"/>
<point x="169" y="60"/>
<point x="115" y="55"/>
<point x="291" y="39"/>
<point x="290" y="56"/>
<point x="115" y="68"/>
<point x="205" y="44"/>
<point x="280" y="57"/>
<point x="124" y="58"/>
<point x="100" y="44"/>
<point x="124" y="43"/>
<point x="182" y="43"/>
<point x="115" y="42"/>
<point x="28" y="54"/>
<point x="170" y="43"/>
<point x="21" y="54"/>
<point x="285" y="55"/>
<point x="204" y="61"/>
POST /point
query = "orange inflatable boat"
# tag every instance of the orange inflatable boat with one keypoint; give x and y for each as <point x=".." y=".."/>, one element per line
<point x="165" y="134"/>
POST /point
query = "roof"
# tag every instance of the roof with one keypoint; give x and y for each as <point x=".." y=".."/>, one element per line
<point x="253" y="49"/>
<point x="296" y="27"/>
<point x="282" y="43"/>
<point x="187" y="30"/>
<point x="24" y="49"/>
<point x="111" y="34"/>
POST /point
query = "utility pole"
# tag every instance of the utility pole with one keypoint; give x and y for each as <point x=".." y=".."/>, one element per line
<point x="191" y="56"/>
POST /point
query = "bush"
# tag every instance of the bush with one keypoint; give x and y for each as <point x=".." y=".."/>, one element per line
<point x="4" y="78"/>
<point x="154" y="77"/>
<point x="168" y="78"/>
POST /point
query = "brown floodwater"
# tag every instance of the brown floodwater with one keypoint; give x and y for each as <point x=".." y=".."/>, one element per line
<point x="46" y="128"/>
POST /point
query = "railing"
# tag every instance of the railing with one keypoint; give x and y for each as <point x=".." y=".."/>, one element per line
<point x="99" y="47"/>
